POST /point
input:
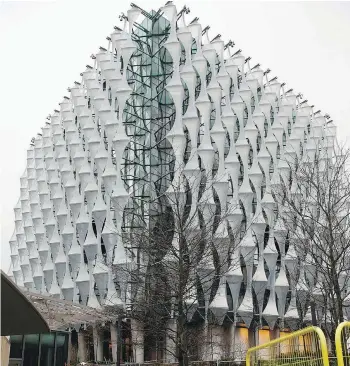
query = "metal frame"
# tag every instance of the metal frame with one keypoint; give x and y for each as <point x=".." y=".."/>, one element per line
<point x="55" y="332"/>
<point x="149" y="116"/>
<point x="302" y="332"/>
<point x="339" y="342"/>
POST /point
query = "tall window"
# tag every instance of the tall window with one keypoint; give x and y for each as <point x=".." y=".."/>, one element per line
<point x="47" y="349"/>
<point x="47" y="353"/>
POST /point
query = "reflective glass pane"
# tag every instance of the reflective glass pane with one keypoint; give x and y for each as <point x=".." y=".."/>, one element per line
<point x="31" y="350"/>
<point x="47" y="349"/>
<point x="16" y="346"/>
<point x="62" y="349"/>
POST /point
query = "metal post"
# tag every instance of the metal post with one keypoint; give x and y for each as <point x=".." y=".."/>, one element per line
<point x="23" y="348"/>
<point x="39" y="351"/>
<point x="69" y="346"/>
<point x="55" y="350"/>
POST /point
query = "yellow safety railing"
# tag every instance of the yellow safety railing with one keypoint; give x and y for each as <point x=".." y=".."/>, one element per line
<point x="307" y="346"/>
<point x="342" y="338"/>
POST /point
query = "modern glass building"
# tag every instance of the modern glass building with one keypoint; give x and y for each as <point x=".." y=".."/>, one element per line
<point x="162" y="107"/>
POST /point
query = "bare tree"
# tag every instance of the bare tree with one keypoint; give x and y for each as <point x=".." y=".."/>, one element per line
<point x="314" y="202"/>
<point x="172" y="278"/>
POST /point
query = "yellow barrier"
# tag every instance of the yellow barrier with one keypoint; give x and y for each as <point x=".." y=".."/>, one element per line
<point x="342" y="336"/>
<point x="307" y="346"/>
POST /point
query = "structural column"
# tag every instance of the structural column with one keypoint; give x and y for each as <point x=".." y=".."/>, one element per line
<point x="69" y="346"/>
<point x="206" y="343"/>
<point x="137" y="341"/>
<point x="170" y="343"/>
<point x="82" y="351"/>
<point x="252" y="341"/>
<point x="217" y="342"/>
<point x="98" y="346"/>
<point x="114" y="341"/>
<point x="232" y="339"/>
<point x="274" y="333"/>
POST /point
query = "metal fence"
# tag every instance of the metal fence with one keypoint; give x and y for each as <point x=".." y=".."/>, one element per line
<point x="342" y="344"/>
<point x="304" y="347"/>
<point x="160" y="363"/>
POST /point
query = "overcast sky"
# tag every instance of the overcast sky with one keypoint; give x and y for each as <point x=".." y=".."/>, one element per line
<point x="45" y="45"/>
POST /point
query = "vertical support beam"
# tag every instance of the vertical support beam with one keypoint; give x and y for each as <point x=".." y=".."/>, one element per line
<point x="39" y="351"/>
<point x="98" y="347"/>
<point x="233" y="347"/>
<point x="137" y="341"/>
<point x="82" y="351"/>
<point x="258" y="335"/>
<point x="23" y="348"/>
<point x="101" y="340"/>
<point x="205" y="346"/>
<point x="226" y="342"/>
<point x="216" y="342"/>
<point x="114" y="341"/>
<point x="274" y="333"/>
<point x="119" y="340"/>
<point x="252" y="336"/>
<point x="69" y="346"/>
<point x="95" y="341"/>
<point x="55" y="354"/>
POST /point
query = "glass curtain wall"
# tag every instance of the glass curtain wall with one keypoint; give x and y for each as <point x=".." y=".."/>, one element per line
<point x="47" y="349"/>
<point x="149" y="115"/>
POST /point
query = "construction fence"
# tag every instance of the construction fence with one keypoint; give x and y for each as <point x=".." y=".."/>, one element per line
<point x="342" y="344"/>
<point x="307" y="346"/>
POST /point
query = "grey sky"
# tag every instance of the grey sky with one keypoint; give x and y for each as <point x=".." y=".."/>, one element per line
<point x="45" y="45"/>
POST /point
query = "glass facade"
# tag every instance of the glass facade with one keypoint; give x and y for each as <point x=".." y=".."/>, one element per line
<point x="149" y="116"/>
<point x="47" y="349"/>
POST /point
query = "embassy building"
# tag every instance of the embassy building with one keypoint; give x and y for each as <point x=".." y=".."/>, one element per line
<point x="163" y="103"/>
